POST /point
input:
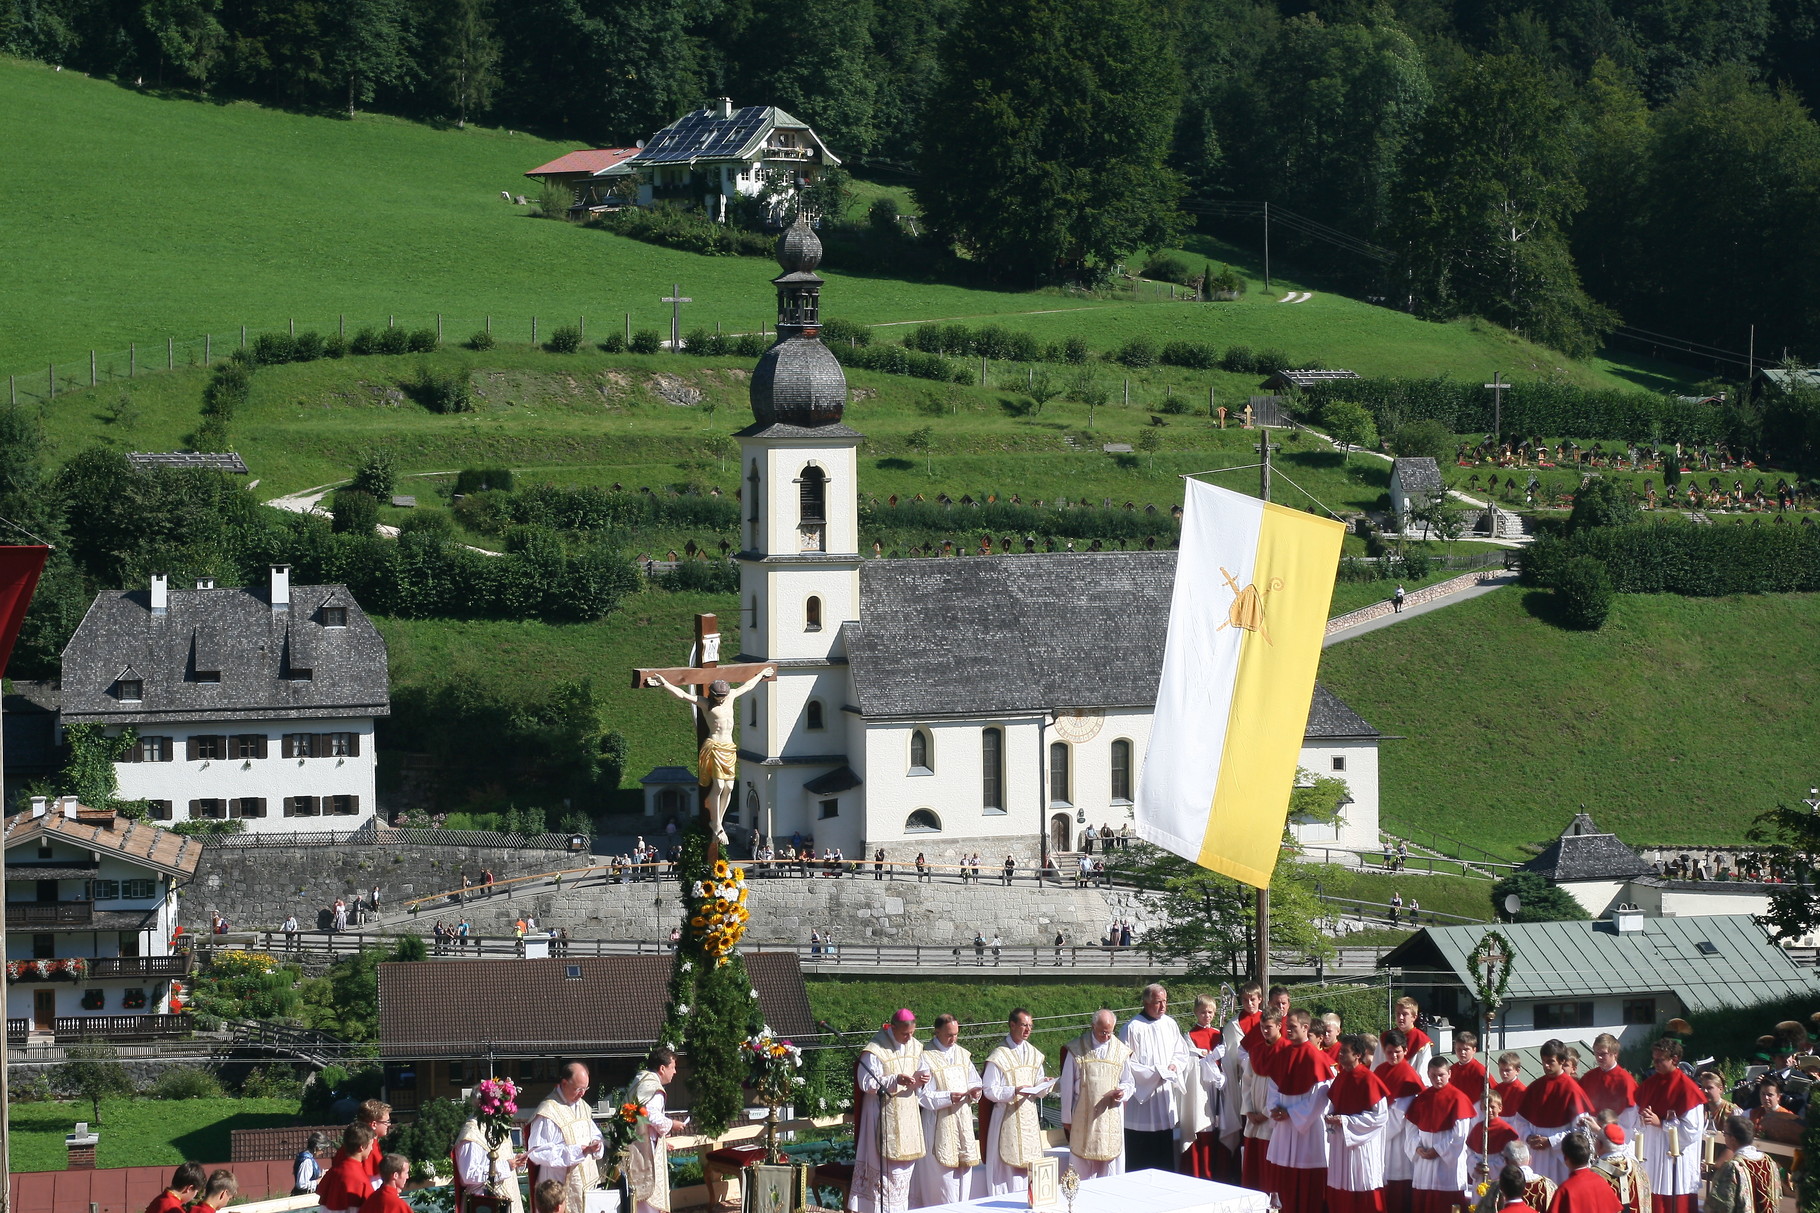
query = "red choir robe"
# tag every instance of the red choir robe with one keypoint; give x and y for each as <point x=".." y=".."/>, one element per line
<point x="1674" y="1181"/>
<point x="1254" y="1167"/>
<point x="1585" y="1191"/>
<point x="1402" y="1082"/>
<point x="1355" y="1151"/>
<point x="1470" y="1077"/>
<point x="345" y="1184"/>
<point x="1445" y="1115"/>
<point x="1418" y="1040"/>
<point x="1512" y="1094"/>
<point x="1613" y="1091"/>
<point x="385" y="1200"/>
<point x="165" y="1202"/>
<point x="1333" y="1052"/>
<point x="1502" y="1134"/>
<point x="1517" y="1206"/>
<point x="1550" y="1107"/>
<point x="1298" y="1145"/>
<point x="1206" y="1157"/>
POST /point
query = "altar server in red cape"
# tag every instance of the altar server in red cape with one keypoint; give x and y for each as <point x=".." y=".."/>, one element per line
<point x="392" y="1171"/>
<point x="348" y="1182"/>
<point x="1610" y="1087"/>
<point x="1402" y="1084"/>
<point x="1232" y="1115"/>
<point x="1260" y="1047"/>
<point x="1420" y="1048"/>
<point x="1672" y="1117"/>
<point x="1204" y="1157"/>
<point x="1468" y="1071"/>
<point x="1552" y="1108"/>
<point x="1482" y="1162"/>
<point x="1583" y="1190"/>
<point x="1299" y="1077"/>
<point x="1510" y="1087"/>
<point x="1358" y="1127"/>
<point x="1439" y="1118"/>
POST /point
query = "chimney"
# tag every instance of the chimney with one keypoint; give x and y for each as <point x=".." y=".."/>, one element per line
<point x="1627" y="919"/>
<point x="68" y="805"/>
<point x="81" y="1145"/>
<point x="161" y="593"/>
<point x="205" y="583"/>
<point x="39" y="805"/>
<point x="281" y="587"/>
<point x="723" y="107"/>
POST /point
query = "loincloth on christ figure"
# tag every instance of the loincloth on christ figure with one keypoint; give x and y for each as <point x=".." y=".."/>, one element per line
<point x="718" y="760"/>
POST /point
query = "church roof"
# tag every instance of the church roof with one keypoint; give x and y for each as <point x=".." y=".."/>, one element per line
<point x="992" y="635"/>
<point x="1418" y="474"/>
<point x="1583" y="853"/>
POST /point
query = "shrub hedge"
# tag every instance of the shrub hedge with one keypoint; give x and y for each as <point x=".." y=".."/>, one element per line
<point x="1531" y="409"/>
<point x="896" y="360"/>
<point x="589" y="509"/>
<point x="1661" y="557"/>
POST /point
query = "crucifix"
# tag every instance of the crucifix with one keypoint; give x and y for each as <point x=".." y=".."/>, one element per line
<point x="704" y="686"/>
<point x="676" y="299"/>
<point x="1497" y="386"/>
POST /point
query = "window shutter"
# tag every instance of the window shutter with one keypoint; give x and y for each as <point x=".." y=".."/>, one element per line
<point x="132" y="751"/>
<point x="166" y="750"/>
<point x="312" y="805"/>
<point x="324" y="745"/>
<point x="253" y="806"/>
<point x="195" y="809"/>
<point x="259" y="746"/>
<point x="192" y="749"/>
<point x="353" y="745"/>
<point x="287" y="746"/>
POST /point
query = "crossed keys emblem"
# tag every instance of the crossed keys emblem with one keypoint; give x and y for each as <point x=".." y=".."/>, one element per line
<point x="1248" y="607"/>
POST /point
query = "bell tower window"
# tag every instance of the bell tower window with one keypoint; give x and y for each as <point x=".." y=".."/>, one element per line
<point x="812" y="509"/>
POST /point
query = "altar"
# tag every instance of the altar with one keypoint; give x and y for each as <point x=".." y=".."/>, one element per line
<point x="1151" y="1191"/>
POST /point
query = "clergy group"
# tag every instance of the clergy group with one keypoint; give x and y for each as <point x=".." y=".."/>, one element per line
<point x="1284" y="1101"/>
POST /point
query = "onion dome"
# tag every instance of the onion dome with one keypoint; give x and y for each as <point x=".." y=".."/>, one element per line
<point x="798" y="381"/>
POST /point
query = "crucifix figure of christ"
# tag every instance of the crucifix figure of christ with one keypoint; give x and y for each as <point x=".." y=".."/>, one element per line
<point x="717" y="759"/>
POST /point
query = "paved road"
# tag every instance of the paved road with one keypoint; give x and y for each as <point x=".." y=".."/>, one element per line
<point x="1410" y="612"/>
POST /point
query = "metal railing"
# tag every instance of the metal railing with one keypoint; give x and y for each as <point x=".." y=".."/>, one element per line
<point x="1441" y="843"/>
<point x="1401" y="915"/>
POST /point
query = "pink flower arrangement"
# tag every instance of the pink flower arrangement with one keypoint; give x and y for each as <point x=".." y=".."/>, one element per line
<point x="495" y="1104"/>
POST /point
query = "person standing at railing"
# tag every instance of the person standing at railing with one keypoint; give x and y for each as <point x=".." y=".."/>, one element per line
<point x="289" y="927"/>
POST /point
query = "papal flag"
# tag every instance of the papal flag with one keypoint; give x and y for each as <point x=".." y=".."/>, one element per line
<point x="1253" y="582"/>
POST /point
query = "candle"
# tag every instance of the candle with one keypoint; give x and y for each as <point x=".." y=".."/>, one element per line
<point x="1674" y="1141"/>
<point x="1711" y="1146"/>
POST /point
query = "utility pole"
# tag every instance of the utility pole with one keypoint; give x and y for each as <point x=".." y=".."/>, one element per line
<point x="1267" y="259"/>
<point x="1263" y="925"/>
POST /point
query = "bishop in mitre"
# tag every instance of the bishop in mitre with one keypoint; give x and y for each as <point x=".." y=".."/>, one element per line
<point x="950" y="1100"/>
<point x="888" y="1140"/>
<point x="1014" y="1086"/>
<point x="1096" y="1081"/>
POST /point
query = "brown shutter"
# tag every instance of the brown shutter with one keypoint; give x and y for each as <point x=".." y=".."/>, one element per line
<point x="353" y="745"/>
<point x="195" y="809"/>
<point x="324" y="745"/>
<point x="167" y="748"/>
<point x="259" y="746"/>
<point x="353" y="804"/>
<point x="313" y="804"/>
<point x="253" y="806"/>
<point x="288" y="749"/>
<point x="192" y="747"/>
<point x="132" y="751"/>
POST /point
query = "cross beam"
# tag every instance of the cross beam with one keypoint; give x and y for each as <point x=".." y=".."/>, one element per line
<point x="701" y="676"/>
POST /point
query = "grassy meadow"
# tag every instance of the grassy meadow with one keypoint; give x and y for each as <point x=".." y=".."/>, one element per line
<point x="1676" y="723"/>
<point x="141" y="1132"/>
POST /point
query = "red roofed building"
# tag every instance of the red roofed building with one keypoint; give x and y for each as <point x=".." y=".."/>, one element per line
<point x="589" y="172"/>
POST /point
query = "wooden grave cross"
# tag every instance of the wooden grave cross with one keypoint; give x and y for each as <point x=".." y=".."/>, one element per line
<point x="676" y="299"/>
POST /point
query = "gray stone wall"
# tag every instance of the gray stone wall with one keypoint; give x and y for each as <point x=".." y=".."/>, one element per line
<point x="255" y="887"/>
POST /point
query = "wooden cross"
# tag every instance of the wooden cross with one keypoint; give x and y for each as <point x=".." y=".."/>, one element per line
<point x="706" y="668"/>
<point x="676" y="299"/>
<point x="1497" y="386"/>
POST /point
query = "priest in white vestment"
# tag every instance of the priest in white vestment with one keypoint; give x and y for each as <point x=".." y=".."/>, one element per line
<point x="1014" y="1085"/>
<point x="564" y="1142"/>
<point x="648" y="1155"/>
<point x="1096" y="1083"/>
<point x="888" y="1140"/>
<point x="950" y="1100"/>
<point x="1159" y="1060"/>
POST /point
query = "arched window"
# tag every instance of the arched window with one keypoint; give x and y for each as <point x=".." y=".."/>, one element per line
<point x="1121" y="770"/>
<point x="1058" y="773"/>
<point x="752" y="807"/>
<point x="752" y="483"/>
<point x="923" y="821"/>
<point x="812" y="614"/>
<point x="992" y="770"/>
<point x="755" y="612"/>
<point x="919" y="754"/>
<point x="813" y="495"/>
<point x="812" y="714"/>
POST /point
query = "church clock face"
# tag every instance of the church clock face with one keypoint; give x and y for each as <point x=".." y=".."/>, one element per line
<point x="1079" y="724"/>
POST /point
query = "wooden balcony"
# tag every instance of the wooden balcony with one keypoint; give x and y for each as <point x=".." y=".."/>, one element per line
<point x="142" y="966"/>
<point x="120" y="1027"/>
<point x="22" y="914"/>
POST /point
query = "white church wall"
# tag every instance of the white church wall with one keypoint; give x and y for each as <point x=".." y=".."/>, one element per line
<point x="1357" y="828"/>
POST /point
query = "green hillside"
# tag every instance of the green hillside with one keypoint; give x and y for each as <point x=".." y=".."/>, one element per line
<point x="1676" y="723"/>
<point x="208" y="217"/>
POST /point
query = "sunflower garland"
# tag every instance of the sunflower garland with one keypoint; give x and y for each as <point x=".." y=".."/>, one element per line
<point x="717" y="911"/>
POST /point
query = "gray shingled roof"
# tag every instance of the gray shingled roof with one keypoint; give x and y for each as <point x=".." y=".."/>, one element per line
<point x="1418" y="474"/>
<point x="1740" y="967"/>
<point x="236" y="632"/>
<point x="1583" y="853"/>
<point x="986" y="635"/>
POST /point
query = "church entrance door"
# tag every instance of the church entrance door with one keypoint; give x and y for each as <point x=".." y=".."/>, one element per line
<point x="1061" y="832"/>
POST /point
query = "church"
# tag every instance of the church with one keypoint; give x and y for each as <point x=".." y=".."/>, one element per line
<point x="998" y="704"/>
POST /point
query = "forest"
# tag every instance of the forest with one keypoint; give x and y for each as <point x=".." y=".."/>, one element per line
<point x="1568" y="168"/>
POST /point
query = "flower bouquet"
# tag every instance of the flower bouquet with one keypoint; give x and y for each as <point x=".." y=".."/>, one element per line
<point x="771" y="1070"/>
<point x="717" y="910"/>
<point x="495" y="1106"/>
<point x="619" y="1131"/>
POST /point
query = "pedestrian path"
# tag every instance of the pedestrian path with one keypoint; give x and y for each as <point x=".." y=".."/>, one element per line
<point x="1421" y="602"/>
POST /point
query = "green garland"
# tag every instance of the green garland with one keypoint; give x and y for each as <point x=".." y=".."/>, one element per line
<point x="713" y="1008"/>
<point x="1491" y="997"/>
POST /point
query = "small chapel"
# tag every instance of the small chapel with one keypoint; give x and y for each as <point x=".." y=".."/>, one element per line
<point x="998" y="704"/>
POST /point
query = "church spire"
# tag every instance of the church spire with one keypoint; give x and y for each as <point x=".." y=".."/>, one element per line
<point x="798" y="381"/>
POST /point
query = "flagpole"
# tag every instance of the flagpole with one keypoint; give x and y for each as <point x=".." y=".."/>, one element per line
<point x="1263" y="909"/>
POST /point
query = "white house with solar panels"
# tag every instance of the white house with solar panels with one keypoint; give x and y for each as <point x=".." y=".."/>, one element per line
<point x="712" y="155"/>
<point x="998" y="704"/>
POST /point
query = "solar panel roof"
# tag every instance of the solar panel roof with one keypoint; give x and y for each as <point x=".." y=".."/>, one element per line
<point x="704" y="135"/>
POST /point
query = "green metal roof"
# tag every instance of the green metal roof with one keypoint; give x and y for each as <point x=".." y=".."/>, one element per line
<point x="1738" y="966"/>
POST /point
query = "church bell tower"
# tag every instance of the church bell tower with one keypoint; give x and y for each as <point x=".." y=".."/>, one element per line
<point x="799" y="569"/>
